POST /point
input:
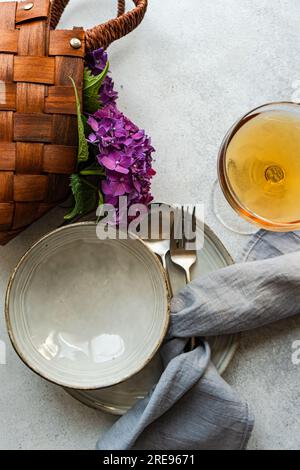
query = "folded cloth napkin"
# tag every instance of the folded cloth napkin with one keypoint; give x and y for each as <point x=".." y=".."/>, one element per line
<point x="192" y="407"/>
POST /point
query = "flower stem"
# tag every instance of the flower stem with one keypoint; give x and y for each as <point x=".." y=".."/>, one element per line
<point x="92" y="172"/>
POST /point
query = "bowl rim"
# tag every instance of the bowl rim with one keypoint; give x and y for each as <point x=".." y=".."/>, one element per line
<point x="43" y="374"/>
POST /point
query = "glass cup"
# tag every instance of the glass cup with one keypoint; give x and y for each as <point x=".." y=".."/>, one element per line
<point x="259" y="171"/>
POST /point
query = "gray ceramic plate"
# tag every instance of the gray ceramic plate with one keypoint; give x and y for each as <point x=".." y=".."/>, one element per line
<point x="86" y="313"/>
<point x="119" y="398"/>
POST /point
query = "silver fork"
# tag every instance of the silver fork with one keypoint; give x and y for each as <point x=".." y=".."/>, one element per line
<point x="180" y="254"/>
<point x="161" y="247"/>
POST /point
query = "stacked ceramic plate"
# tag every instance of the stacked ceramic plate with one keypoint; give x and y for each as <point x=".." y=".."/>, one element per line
<point x="91" y="315"/>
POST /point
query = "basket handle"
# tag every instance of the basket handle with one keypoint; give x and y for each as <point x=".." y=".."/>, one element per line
<point x="104" y="34"/>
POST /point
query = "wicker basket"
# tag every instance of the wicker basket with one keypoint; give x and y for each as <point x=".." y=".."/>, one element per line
<point x="38" y="124"/>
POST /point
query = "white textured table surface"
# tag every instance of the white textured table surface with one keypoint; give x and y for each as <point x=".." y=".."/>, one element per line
<point x="185" y="75"/>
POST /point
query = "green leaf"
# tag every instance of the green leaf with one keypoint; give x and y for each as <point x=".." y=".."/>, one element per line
<point x="86" y="126"/>
<point x="91" y="87"/>
<point x="85" y="196"/>
<point x="83" y="148"/>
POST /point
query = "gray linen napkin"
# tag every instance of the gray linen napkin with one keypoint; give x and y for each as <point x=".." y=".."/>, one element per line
<point x="192" y="407"/>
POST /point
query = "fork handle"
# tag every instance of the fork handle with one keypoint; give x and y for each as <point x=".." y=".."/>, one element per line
<point x="187" y="276"/>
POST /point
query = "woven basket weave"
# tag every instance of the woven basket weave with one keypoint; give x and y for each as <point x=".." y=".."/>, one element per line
<point x="38" y="123"/>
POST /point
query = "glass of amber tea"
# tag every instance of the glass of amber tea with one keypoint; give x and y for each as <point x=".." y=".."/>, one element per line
<point x="259" y="167"/>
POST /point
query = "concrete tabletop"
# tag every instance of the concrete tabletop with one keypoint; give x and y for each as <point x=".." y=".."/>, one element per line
<point x="185" y="75"/>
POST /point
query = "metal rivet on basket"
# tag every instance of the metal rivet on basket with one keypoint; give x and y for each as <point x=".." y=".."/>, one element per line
<point x="75" y="43"/>
<point x="28" y="6"/>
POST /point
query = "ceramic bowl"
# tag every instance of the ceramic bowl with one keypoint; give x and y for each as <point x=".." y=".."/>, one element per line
<point x="86" y="313"/>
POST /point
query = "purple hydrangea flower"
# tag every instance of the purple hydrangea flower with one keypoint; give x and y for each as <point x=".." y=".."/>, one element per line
<point x="117" y="161"/>
<point x="117" y="184"/>
<point x="124" y="150"/>
<point x="96" y="62"/>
